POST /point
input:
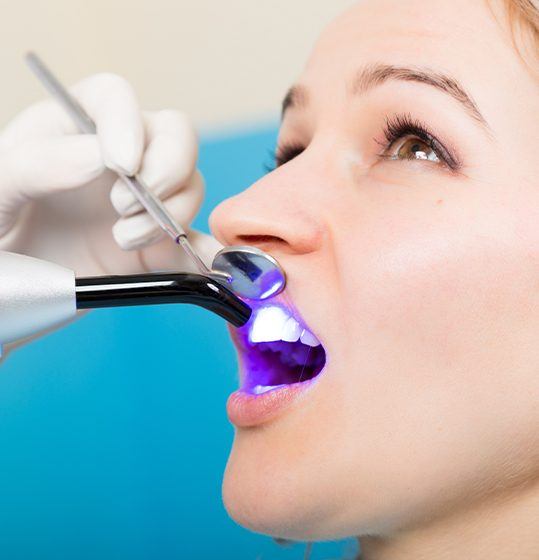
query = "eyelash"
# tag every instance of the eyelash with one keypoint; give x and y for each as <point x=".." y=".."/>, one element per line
<point x="283" y="154"/>
<point x="395" y="128"/>
<point x="404" y="125"/>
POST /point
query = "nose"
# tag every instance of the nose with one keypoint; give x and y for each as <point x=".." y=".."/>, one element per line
<point x="277" y="214"/>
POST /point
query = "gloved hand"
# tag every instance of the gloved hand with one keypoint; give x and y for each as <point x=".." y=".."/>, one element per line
<point x="60" y="202"/>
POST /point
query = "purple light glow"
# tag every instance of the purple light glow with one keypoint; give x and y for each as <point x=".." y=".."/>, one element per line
<point x="270" y="283"/>
<point x="269" y="361"/>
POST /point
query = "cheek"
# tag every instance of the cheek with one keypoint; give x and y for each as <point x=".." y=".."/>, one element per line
<point x="443" y="316"/>
<point x="447" y="292"/>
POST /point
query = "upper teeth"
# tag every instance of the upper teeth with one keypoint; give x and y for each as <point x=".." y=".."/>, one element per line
<point x="307" y="337"/>
<point x="274" y="323"/>
<point x="291" y="330"/>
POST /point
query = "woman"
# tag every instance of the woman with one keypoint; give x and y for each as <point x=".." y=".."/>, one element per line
<point x="404" y="208"/>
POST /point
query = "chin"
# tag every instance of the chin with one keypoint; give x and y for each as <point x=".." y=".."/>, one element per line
<point x="270" y="485"/>
<point x="269" y="506"/>
<point x="271" y="490"/>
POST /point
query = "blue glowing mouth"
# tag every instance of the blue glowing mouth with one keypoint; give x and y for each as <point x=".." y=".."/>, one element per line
<point x="268" y="361"/>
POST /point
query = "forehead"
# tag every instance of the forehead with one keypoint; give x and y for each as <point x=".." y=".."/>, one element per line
<point x="459" y="36"/>
<point x="464" y="39"/>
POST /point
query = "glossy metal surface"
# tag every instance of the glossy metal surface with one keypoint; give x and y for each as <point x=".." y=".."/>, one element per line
<point x="255" y="274"/>
<point x="34" y="295"/>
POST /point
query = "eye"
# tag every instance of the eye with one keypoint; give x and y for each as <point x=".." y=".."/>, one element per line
<point x="284" y="154"/>
<point x="412" y="147"/>
<point x="410" y="139"/>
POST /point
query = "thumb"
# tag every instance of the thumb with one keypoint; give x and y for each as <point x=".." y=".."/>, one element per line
<point x="36" y="168"/>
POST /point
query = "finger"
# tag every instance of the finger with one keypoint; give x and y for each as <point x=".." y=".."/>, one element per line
<point x="140" y="230"/>
<point x="112" y="104"/>
<point x="109" y="100"/>
<point x="45" y="119"/>
<point x="37" y="168"/>
<point x="165" y="255"/>
<point x="168" y="162"/>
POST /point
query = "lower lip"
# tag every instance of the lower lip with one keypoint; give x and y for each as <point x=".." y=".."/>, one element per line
<point x="246" y="410"/>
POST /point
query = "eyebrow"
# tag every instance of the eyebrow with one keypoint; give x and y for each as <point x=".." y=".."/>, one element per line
<point x="374" y="75"/>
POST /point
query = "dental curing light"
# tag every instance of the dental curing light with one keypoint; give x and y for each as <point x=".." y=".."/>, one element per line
<point x="247" y="271"/>
<point x="37" y="294"/>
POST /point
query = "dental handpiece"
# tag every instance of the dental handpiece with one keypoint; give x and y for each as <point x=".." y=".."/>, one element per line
<point x="36" y="294"/>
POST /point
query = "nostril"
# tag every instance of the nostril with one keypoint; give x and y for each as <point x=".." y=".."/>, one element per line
<point x="270" y="244"/>
<point x="258" y="239"/>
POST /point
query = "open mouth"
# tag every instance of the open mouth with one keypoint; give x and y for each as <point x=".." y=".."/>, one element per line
<point x="277" y="349"/>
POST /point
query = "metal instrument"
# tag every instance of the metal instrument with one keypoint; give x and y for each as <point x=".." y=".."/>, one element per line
<point x="247" y="271"/>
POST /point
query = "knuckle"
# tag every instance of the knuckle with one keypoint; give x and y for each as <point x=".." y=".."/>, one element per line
<point x="108" y="81"/>
<point x="124" y="203"/>
<point x="119" y="236"/>
<point x="177" y="120"/>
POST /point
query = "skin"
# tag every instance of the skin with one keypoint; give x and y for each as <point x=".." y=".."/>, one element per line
<point x="422" y="283"/>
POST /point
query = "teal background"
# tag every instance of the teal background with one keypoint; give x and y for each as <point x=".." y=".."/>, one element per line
<point x="105" y="450"/>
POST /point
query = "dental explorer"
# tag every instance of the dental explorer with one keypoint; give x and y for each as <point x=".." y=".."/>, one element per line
<point x="247" y="271"/>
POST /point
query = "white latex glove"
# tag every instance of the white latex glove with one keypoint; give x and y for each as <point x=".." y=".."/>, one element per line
<point x="59" y="202"/>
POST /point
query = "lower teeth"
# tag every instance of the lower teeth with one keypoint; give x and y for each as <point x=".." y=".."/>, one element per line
<point x="259" y="389"/>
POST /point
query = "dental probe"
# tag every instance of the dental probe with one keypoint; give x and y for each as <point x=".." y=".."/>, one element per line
<point x="247" y="271"/>
<point x="87" y="126"/>
<point x="37" y="294"/>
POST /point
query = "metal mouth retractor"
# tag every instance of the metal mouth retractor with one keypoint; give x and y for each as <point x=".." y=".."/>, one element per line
<point x="247" y="271"/>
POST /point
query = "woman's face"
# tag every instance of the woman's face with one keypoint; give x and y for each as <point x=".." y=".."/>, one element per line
<point x="405" y="212"/>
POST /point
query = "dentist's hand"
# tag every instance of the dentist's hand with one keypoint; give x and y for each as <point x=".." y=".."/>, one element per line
<point x="60" y="202"/>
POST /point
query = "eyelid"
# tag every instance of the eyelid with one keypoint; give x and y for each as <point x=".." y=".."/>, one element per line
<point x="286" y="152"/>
<point x="402" y="125"/>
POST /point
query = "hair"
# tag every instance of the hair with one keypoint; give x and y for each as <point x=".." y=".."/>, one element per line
<point x="525" y="10"/>
<point x="523" y="19"/>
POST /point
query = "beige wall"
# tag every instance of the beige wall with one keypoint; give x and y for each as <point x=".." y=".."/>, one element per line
<point x="222" y="62"/>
